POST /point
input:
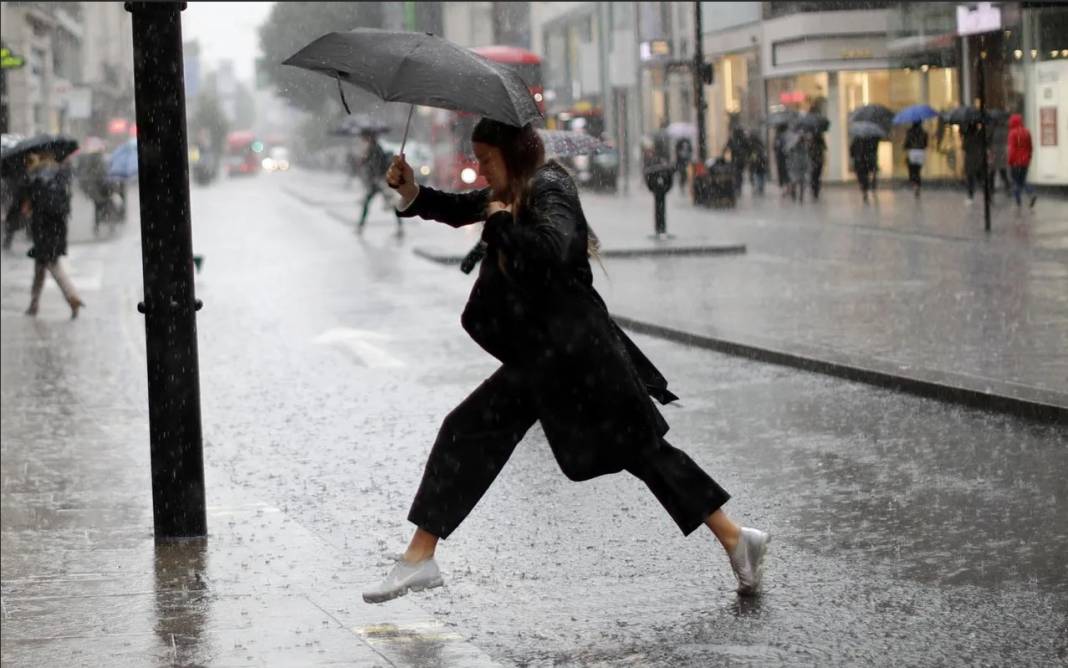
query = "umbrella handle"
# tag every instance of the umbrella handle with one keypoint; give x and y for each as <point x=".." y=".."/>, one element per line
<point x="411" y="108"/>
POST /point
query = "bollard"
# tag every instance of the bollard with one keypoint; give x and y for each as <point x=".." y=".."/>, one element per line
<point x="170" y="305"/>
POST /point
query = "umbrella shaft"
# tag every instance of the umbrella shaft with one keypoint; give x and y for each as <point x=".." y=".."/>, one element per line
<point x="404" y="141"/>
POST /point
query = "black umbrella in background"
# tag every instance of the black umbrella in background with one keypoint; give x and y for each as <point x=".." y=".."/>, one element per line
<point x="58" y="146"/>
<point x="420" y="68"/>
<point x="962" y="116"/>
<point x="813" y="123"/>
<point x="873" y="113"/>
<point x="867" y="130"/>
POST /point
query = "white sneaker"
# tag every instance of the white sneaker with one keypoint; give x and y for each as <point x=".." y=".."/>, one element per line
<point x="747" y="560"/>
<point x="405" y="577"/>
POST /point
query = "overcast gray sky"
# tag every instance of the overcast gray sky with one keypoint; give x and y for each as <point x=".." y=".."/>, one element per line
<point x="226" y="30"/>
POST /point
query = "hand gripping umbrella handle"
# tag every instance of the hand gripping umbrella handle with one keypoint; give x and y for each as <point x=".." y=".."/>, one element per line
<point x="411" y="108"/>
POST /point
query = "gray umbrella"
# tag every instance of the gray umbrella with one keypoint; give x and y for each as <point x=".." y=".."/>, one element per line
<point x="420" y="68"/>
<point x="566" y="143"/>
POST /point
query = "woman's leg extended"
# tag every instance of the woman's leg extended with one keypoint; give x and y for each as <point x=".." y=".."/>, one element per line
<point x="40" y="269"/>
<point x="474" y="443"/>
<point x="687" y="493"/>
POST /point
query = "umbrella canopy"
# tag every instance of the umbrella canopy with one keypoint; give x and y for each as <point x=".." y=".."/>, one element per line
<point x="57" y="146"/>
<point x="867" y="130"/>
<point x="123" y="161"/>
<point x="917" y="113"/>
<point x="565" y="143"/>
<point x="962" y="116"/>
<point x="681" y="130"/>
<point x="813" y="123"/>
<point x="420" y="68"/>
<point x="873" y="113"/>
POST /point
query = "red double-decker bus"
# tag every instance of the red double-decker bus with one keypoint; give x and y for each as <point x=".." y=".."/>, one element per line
<point x="455" y="167"/>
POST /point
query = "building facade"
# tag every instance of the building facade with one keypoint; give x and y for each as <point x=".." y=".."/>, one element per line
<point x="828" y="57"/>
<point x="72" y="70"/>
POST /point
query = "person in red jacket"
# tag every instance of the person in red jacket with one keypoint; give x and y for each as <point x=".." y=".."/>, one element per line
<point x="1020" y="158"/>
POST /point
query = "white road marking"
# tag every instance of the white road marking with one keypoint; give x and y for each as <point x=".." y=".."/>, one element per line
<point x="359" y="343"/>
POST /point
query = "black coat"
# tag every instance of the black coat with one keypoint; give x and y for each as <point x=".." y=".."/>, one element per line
<point x="48" y="190"/>
<point x="534" y="307"/>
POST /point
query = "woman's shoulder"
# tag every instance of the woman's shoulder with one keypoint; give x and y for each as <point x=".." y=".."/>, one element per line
<point x="553" y="175"/>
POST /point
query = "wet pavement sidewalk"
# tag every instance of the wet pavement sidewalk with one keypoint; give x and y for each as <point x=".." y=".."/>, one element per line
<point x="906" y="531"/>
<point x="904" y="288"/>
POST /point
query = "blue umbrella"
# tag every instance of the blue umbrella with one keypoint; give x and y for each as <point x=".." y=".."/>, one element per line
<point x="914" y="114"/>
<point x="123" y="161"/>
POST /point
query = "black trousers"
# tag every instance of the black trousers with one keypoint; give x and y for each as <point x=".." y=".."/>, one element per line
<point x="816" y="177"/>
<point x="478" y="436"/>
<point x="914" y="174"/>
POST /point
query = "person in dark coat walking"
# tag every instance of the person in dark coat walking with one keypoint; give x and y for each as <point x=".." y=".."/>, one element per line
<point x="738" y="145"/>
<point x="817" y="152"/>
<point x="683" y="158"/>
<point x="47" y="201"/>
<point x="758" y="163"/>
<point x="864" y="151"/>
<point x="915" y="154"/>
<point x="972" y="138"/>
<point x="375" y="163"/>
<point x="779" y="149"/>
<point x="564" y="363"/>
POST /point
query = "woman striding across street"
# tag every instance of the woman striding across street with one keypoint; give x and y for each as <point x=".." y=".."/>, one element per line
<point x="564" y="363"/>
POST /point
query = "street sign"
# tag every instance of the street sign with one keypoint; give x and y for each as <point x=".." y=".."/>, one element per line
<point x="978" y="18"/>
<point x="9" y="61"/>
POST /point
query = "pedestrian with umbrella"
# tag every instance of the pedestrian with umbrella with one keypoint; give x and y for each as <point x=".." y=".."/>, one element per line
<point x="565" y="363"/>
<point x="864" y="153"/>
<point x="47" y="202"/>
<point x="915" y="140"/>
<point x="915" y="154"/>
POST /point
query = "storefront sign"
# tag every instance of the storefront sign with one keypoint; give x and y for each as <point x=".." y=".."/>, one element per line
<point x="978" y="18"/>
<point x="1047" y="123"/>
<point x="852" y="54"/>
<point x="657" y="49"/>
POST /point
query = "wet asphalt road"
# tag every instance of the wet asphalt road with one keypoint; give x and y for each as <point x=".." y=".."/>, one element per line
<point x="906" y="531"/>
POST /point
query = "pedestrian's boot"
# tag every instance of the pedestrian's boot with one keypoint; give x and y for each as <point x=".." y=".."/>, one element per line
<point x="32" y="310"/>
<point x="404" y="577"/>
<point x="747" y="560"/>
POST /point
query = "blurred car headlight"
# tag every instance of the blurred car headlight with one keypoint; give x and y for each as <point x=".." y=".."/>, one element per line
<point x="425" y="170"/>
<point x="268" y="164"/>
<point x="468" y="175"/>
<point x="283" y="165"/>
<point x="582" y="162"/>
